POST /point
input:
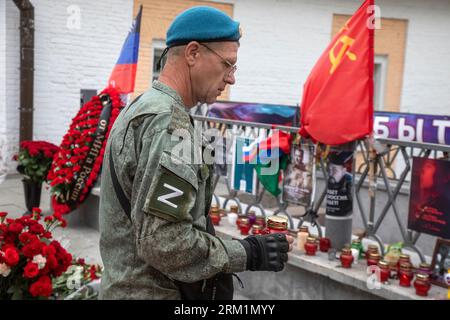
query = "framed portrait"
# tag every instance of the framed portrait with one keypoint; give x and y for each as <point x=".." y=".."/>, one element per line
<point x="440" y="264"/>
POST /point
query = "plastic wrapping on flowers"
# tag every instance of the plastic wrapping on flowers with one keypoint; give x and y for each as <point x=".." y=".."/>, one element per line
<point x="81" y="281"/>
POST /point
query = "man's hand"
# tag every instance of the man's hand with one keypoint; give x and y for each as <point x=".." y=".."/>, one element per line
<point x="267" y="252"/>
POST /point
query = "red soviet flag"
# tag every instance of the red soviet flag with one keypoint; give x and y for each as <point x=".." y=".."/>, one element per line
<point x="337" y="104"/>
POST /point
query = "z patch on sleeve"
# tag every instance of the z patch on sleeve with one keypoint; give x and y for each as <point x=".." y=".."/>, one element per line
<point x="172" y="193"/>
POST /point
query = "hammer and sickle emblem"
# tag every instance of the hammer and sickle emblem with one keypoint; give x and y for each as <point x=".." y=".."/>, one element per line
<point x="336" y="60"/>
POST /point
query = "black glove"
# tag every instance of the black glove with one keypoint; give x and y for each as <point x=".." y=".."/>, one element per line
<point x="266" y="252"/>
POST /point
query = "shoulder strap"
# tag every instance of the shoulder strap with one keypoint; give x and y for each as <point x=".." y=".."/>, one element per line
<point x="124" y="202"/>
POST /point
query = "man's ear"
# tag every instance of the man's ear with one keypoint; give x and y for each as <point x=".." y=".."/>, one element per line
<point x="192" y="52"/>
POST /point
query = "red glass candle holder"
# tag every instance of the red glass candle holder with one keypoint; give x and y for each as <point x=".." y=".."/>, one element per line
<point x="405" y="275"/>
<point x="257" y="229"/>
<point x="373" y="259"/>
<point x="324" y="244"/>
<point x="403" y="259"/>
<point x="372" y="248"/>
<point x="385" y="271"/>
<point x="241" y="217"/>
<point x="215" y="219"/>
<point x="277" y="224"/>
<point x="422" y="284"/>
<point x="311" y="246"/>
<point x="244" y="228"/>
<point x="346" y="258"/>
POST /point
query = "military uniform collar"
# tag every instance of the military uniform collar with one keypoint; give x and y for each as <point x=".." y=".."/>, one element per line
<point x="169" y="91"/>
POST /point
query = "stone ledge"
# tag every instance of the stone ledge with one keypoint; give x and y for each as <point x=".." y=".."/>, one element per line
<point x="355" y="277"/>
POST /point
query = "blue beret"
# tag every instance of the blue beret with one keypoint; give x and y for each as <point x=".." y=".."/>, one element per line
<point x="203" y="24"/>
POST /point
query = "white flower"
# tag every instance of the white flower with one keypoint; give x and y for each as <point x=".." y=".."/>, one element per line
<point x="40" y="261"/>
<point x="73" y="282"/>
<point x="4" y="270"/>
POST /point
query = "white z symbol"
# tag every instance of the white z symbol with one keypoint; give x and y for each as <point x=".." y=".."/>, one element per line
<point x="176" y="193"/>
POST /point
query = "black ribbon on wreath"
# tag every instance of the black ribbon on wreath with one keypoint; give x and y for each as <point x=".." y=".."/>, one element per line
<point x="99" y="138"/>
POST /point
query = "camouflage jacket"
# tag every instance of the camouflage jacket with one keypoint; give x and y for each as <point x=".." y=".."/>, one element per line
<point x="166" y="240"/>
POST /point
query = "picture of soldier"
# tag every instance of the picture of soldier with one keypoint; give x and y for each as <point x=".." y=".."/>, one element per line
<point x="298" y="178"/>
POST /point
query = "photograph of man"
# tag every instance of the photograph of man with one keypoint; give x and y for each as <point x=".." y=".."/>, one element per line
<point x="339" y="191"/>
<point x="298" y="181"/>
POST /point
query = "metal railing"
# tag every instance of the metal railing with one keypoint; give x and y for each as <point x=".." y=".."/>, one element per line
<point x="387" y="157"/>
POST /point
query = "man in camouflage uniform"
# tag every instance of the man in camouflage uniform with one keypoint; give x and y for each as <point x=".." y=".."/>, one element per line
<point x="157" y="241"/>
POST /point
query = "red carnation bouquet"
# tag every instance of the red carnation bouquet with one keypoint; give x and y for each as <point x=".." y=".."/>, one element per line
<point x="29" y="259"/>
<point x="76" y="166"/>
<point x="35" y="159"/>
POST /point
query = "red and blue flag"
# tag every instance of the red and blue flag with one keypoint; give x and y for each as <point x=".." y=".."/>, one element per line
<point x="124" y="73"/>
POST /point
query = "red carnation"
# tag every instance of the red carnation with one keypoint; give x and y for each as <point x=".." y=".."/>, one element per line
<point x="3" y="214"/>
<point x="42" y="287"/>
<point x="11" y="256"/>
<point x="15" y="227"/>
<point x="32" y="249"/>
<point x="37" y="228"/>
<point x="48" y="251"/>
<point x="27" y="237"/>
<point x="31" y="270"/>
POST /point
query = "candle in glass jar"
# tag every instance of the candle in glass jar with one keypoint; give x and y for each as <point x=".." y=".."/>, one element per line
<point x="405" y="274"/>
<point x="374" y="258"/>
<point x="244" y="226"/>
<point x="404" y="258"/>
<point x="356" y="244"/>
<point x="311" y="246"/>
<point x="385" y="271"/>
<point x="346" y="258"/>
<point x="260" y="220"/>
<point x="425" y="268"/>
<point x="422" y="284"/>
<point x="240" y="218"/>
<point x="324" y="244"/>
<point x="215" y="215"/>
<point x="257" y="229"/>
<point x="277" y="224"/>
<point x="372" y="248"/>
<point x="302" y="235"/>
<point x="233" y="215"/>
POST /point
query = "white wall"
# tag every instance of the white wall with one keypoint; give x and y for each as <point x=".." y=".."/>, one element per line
<point x="12" y="74"/>
<point x="282" y="39"/>
<point x="66" y="60"/>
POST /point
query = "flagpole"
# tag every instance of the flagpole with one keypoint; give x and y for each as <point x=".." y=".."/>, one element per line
<point x="373" y="164"/>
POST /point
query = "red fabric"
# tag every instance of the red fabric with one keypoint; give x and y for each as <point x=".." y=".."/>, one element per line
<point x="278" y="140"/>
<point x="122" y="78"/>
<point x="337" y="104"/>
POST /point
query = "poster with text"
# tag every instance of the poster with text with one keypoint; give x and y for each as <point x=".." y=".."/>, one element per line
<point x="429" y="201"/>
<point x="339" y="185"/>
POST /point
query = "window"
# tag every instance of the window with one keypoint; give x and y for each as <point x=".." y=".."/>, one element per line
<point x="158" y="48"/>
<point x="379" y="79"/>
